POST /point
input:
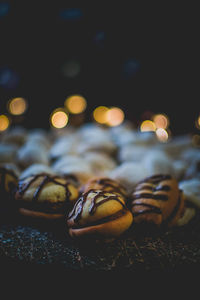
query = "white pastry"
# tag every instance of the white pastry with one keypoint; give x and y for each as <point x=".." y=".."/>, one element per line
<point x="187" y="216"/>
<point x="101" y="163"/>
<point x="16" y="135"/>
<point x="132" y="153"/>
<point x="35" y="169"/>
<point x="129" y="173"/>
<point x="31" y="153"/>
<point x="8" y="152"/>
<point x="157" y="162"/>
<point x="62" y="146"/>
<point x="191" y="190"/>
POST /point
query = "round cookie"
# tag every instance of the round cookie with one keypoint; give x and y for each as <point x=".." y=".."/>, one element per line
<point x="157" y="199"/>
<point x="106" y="184"/>
<point x="46" y="196"/>
<point x="98" y="214"/>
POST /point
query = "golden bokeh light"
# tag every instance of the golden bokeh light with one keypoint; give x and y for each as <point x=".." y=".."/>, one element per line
<point x="4" y="122"/>
<point x="17" y="106"/>
<point x="59" y="118"/>
<point x="148" y="125"/>
<point x="76" y="104"/>
<point x="115" y="116"/>
<point x="162" y="134"/>
<point x="161" y="121"/>
<point x="100" y="114"/>
<point x="197" y="122"/>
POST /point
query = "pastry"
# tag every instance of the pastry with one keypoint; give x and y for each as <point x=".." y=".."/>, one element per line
<point x="100" y="215"/>
<point x="16" y="135"/>
<point x="35" y="169"/>
<point x="191" y="189"/>
<point x="31" y="153"/>
<point x="63" y="146"/>
<point x="129" y="173"/>
<point x="157" y="162"/>
<point x="8" y="180"/>
<point x="106" y="184"/>
<point x="46" y="196"/>
<point x="8" y="153"/>
<point x="157" y="199"/>
<point x="101" y="163"/>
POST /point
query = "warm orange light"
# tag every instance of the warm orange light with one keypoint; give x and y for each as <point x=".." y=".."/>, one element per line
<point x="162" y="134"/>
<point x="147" y="125"/>
<point x="100" y="114"/>
<point x="161" y="121"/>
<point x="4" y="122"/>
<point x="115" y="116"/>
<point x="198" y="122"/>
<point x="76" y="104"/>
<point x="17" y="106"/>
<point x="59" y="119"/>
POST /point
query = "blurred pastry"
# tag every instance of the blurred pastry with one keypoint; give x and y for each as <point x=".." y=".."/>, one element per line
<point x="157" y="162"/>
<point x="46" y="196"/>
<point x="106" y="184"/>
<point x="98" y="214"/>
<point x="129" y="173"/>
<point x="157" y="199"/>
<point x="191" y="189"/>
<point x="63" y="146"/>
<point x="101" y="163"/>
<point x="36" y="169"/>
<point x="8" y="153"/>
<point x="31" y="153"/>
<point x="73" y="165"/>
<point x="16" y="135"/>
<point x="9" y="174"/>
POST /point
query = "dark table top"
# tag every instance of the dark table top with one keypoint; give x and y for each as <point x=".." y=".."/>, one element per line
<point x="25" y="242"/>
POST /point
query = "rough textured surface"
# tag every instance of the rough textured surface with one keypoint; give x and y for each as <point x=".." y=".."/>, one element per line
<point x="26" y="242"/>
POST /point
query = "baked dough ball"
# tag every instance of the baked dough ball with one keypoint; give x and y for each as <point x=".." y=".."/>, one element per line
<point x="8" y="153"/>
<point x="132" y="152"/>
<point x="157" y="162"/>
<point x="16" y="135"/>
<point x="157" y="199"/>
<point x="63" y="146"/>
<point x="9" y="174"/>
<point x="129" y="173"/>
<point x="191" y="189"/>
<point x="106" y="184"/>
<point x="36" y="169"/>
<point x="31" y="153"/>
<point x="45" y="196"/>
<point x="101" y="163"/>
<point x="73" y="165"/>
<point x="99" y="215"/>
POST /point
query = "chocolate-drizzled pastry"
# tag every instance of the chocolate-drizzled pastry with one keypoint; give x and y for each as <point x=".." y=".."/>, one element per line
<point x="106" y="184"/>
<point x="157" y="199"/>
<point x="99" y="214"/>
<point x="8" y="180"/>
<point x="46" y="196"/>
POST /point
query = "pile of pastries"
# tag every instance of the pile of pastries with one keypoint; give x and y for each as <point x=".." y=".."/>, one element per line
<point x="99" y="180"/>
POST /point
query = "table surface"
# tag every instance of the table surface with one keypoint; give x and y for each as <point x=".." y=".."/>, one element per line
<point x="34" y="243"/>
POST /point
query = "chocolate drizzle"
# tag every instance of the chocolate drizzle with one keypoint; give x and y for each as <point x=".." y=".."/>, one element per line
<point x="23" y="187"/>
<point x="150" y="209"/>
<point x="78" y="207"/>
<point x="157" y="191"/>
<point x="116" y="187"/>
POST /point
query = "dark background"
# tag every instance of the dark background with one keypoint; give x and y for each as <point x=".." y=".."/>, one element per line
<point x="139" y="57"/>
